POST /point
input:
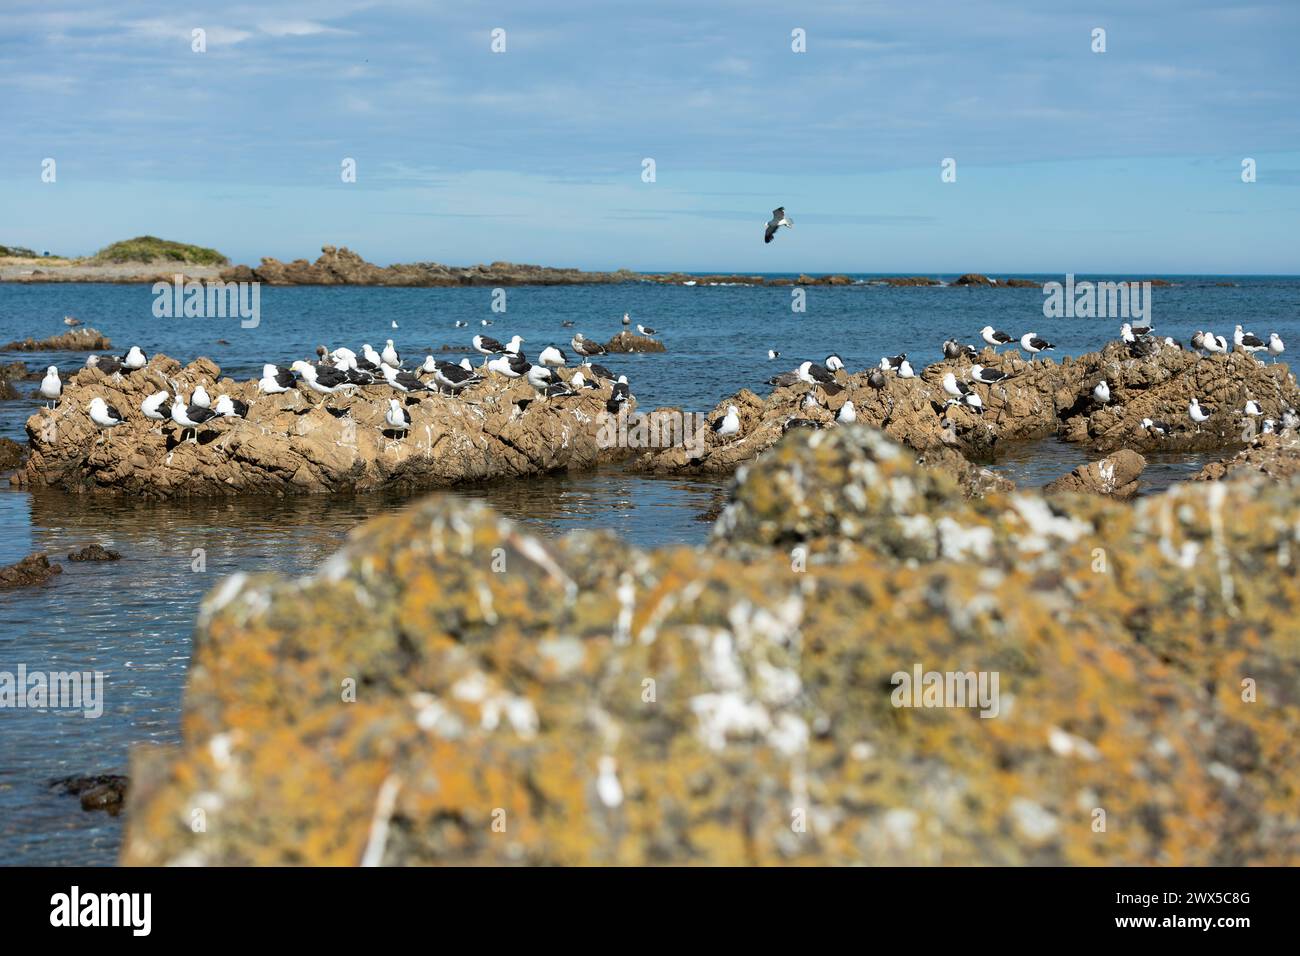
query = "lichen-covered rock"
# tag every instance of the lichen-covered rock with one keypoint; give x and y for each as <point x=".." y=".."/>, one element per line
<point x="296" y="443"/>
<point x="1115" y="475"/>
<point x="450" y="689"/>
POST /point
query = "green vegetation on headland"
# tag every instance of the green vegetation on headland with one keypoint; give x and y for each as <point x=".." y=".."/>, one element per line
<point x="19" y="252"/>
<point x="153" y="249"/>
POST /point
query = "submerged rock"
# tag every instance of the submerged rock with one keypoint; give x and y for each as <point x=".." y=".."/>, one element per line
<point x="296" y="443"/>
<point x="11" y="454"/>
<point x="511" y="700"/>
<point x="33" y="569"/>
<point x="1115" y="475"/>
<point x="95" y="552"/>
<point x="105" y="792"/>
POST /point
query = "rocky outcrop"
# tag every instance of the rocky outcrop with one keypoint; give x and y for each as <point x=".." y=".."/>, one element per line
<point x="973" y="279"/>
<point x="11" y="372"/>
<point x="82" y="339"/>
<point x="1038" y="399"/>
<point x="631" y="342"/>
<point x="1115" y="476"/>
<point x="95" y="552"/>
<point x="342" y="266"/>
<point x="903" y="281"/>
<point x="33" y="569"/>
<point x="519" y="701"/>
<point x="1275" y="456"/>
<point x="296" y="443"/>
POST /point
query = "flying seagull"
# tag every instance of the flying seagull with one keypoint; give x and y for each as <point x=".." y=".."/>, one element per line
<point x="778" y="220"/>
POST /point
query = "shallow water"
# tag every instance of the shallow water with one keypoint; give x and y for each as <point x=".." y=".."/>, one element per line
<point x="133" y="618"/>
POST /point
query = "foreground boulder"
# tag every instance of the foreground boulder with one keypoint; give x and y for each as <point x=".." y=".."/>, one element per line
<point x="296" y="443"/>
<point x="449" y="688"/>
<point x="1115" y="475"/>
<point x="33" y="569"/>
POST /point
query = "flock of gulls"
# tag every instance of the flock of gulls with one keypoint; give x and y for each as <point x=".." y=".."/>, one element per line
<point x="342" y="371"/>
<point x="1139" y="339"/>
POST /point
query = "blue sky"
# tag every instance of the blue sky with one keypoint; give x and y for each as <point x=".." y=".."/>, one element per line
<point x="1067" y="160"/>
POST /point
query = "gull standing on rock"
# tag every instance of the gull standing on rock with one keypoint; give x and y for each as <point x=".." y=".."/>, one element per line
<point x="986" y="376"/>
<point x="584" y="347"/>
<point x="389" y="355"/>
<point x="847" y="414"/>
<point x="397" y="418"/>
<point x="1032" y="344"/>
<point x="728" y="424"/>
<point x="275" y="380"/>
<point x="1101" y="392"/>
<point x="776" y="222"/>
<point x="153" y="408"/>
<point x="190" y="417"/>
<point x="1198" y="414"/>
<point x="643" y="330"/>
<point x="104" y="415"/>
<point x="994" y="337"/>
<point x="201" y="398"/>
<point x="134" y="358"/>
<point x="52" y="385"/>
<point x="1275" y="345"/>
<point x="553" y="356"/>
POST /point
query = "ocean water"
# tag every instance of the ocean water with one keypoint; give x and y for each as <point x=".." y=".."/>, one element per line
<point x="132" y="619"/>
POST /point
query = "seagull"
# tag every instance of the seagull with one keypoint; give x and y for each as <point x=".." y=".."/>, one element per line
<point x="580" y="381"/>
<point x="344" y="359"/>
<point x="486" y="345"/>
<point x="953" y="349"/>
<point x="626" y="319"/>
<point x="324" y="379"/>
<point x="506" y="365"/>
<point x="389" y="355"/>
<point x="454" y="377"/>
<point x="1101" y="392"/>
<point x="986" y="376"/>
<point x="994" y="337"/>
<point x="833" y="363"/>
<point x="728" y="424"/>
<point x="1198" y="341"/>
<point x="1160" y="428"/>
<point x="200" y="398"/>
<point x="485" y="322"/>
<point x="956" y="389"/>
<point x="401" y="379"/>
<point x="552" y="356"/>
<point x="104" y="415"/>
<point x="1215" y="343"/>
<point x="52" y="385"/>
<point x="847" y="414"/>
<point x="905" y="370"/>
<point x="1130" y="334"/>
<point x="585" y="347"/>
<point x="394" y="323"/>
<point x="275" y="380"/>
<point x="567" y="324"/>
<point x="1252" y="409"/>
<point x="461" y="323"/>
<point x="893" y="363"/>
<point x="228" y="407"/>
<point x="773" y="354"/>
<point x="540" y="377"/>
<point x="600" y="371"/>
<point x="514" y="343"/>
<point x="876" y="378"/>
<point x="397" y="418"/>
<point x="370" y="359"/>
<point x="105" y="363"/>
<point x="778" y="220"/>
<point x="621" y="391"/>
<point x="643" y="330"/>
<point x="190" y="417"/>
<point x="1275" y="345"/>
<point x="134" y="358"/>
<point x="153" y="408"/>
<point x="1199" y="414"/>
<point x="1032" y="344"/>
<point x="814" y="374"/>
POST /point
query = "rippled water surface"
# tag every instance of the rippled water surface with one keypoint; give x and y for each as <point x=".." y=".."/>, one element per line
<point x="132" y="619"/>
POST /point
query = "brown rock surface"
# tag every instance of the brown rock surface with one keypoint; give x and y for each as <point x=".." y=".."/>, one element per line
<point x="1115" y="475"/>
<point x="1275" y="456"/>
<point x="82" y="339"/>
<point x="631" y="342"/>
<point x="291" y="443"/>
<point x="33" y="569"/>
<point x="11" y="454"/>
